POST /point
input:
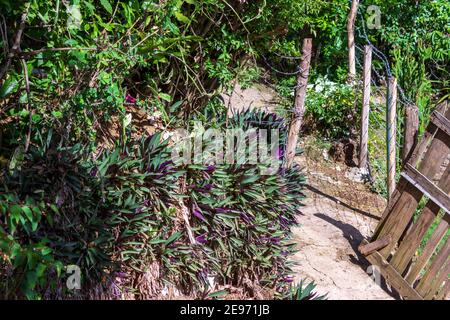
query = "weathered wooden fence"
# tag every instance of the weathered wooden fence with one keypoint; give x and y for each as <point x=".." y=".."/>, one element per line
<point x="416" y="267"/>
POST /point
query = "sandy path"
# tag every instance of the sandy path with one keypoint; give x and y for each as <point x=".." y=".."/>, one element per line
<point x="339" y="212"/>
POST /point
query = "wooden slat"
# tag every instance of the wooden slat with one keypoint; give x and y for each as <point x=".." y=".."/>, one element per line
<point x="412" y="240"/>
<point x="443" y="107"/>
<point x="411" y="130"/>
<point x="438" y="282"/>
<point x="429" y="249"/>
<point x="426" y="283"/>
<point x="431" y="130"/>
<point x="441" y="122"/>
<point x="445" y="291"/>
<point x="402" y="211"/>
<point x="401" y="185"/>
<point x="399" y="217"/>
<point x="374" y="246"/>
<point x="396" y="223"/>
<point x="392" y="276"/>
<point x="427" y="187"/>
<point x="419" y="151"/>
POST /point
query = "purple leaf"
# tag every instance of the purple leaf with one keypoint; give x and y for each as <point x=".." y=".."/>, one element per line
<point x="138" y="210"/>
<point x="130" y="99"/>
<point x="201" y="238"/>
<point x="198" y="214"/>
<point x="93" y="172"/>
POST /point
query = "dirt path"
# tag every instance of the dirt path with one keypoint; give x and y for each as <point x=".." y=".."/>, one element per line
<point x="339" y="212"/>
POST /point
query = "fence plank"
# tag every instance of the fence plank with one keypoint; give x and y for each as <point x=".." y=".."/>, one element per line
<point x="392" y="276"/>
<point x="399" y="218"/>
<point x="396" y="229"/>
<point x="417" y="154"/>
<point x="365" y="107"/>
<point x="401" y="214"/>
<point x="412" y="240"/>
<point x="299" y="104"/>
<point x="410" y="131"/>
<point x="426" y="283"/>
<point x="428" y="250"/>
<point x="438" y="282"/>
<point x="441" y="122"/>
<point x="427" y="187"/>
<point x="374" y="246"/>
<point x="429" y="134"/>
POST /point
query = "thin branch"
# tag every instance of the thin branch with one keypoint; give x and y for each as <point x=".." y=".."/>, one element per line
<point x="30" y="114"/>
<point x="16" y="46"/>
<point x="34" y="52"/>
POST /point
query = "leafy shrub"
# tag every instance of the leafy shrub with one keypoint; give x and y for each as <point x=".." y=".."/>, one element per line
<point x="330" y="108"/>
<point x="248" y="76"/>
<point x="119" y="214"/>
<point x="97" y="213"/>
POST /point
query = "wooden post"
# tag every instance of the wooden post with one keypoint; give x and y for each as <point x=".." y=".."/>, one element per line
<point x="299" y="103"/>
<point x="351" y="40"/>
<point x="391" y="134"/>
<point x="365" y="107"/>
<point x="410" y="131"/>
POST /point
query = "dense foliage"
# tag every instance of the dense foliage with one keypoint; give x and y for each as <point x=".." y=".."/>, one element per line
<point x="118" y="216"/>
<point x="89" y="90"/>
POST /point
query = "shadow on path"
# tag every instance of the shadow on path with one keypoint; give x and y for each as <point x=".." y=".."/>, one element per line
<point x="336" y="200"/>
<point x="354" y="237"/>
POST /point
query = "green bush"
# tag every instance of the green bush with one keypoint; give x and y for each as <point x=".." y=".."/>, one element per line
<point x="331" y="108"/>
<point x="119" y="214"/>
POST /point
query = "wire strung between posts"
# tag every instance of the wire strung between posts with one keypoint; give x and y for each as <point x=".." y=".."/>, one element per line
<point x="399" y="100"/>
<point x="287" y="57"/>
<point x="293" y="88"/>
<point x="381" y="56"/>
<point x="281" y="72"/>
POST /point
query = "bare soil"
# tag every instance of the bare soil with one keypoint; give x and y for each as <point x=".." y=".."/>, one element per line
<point x="339" y="212"/>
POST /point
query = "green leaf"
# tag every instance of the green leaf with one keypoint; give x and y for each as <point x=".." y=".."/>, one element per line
<point x="23" y="98"/>
<point x="173" y="237"/>
<point x="107" y="6"/>
<point x="57" y="114"/>
<point x="175" y="106"/>
<point x="28" y="213"/>
<point x="54" y="208"/>
<point x="218" y="294"/>
<point x="16" y="211"/>
<point x="165" y="96"/>
<point x="36" y="118"/>
<point x="8" y="87"/>
<point x="181" y="17"/>
<point x="40" y="269"/>
<point x="250" y="179"/>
